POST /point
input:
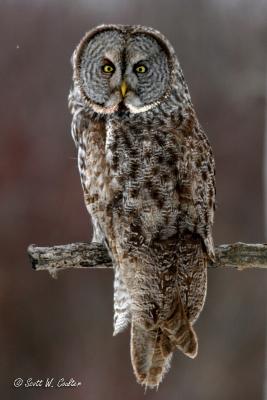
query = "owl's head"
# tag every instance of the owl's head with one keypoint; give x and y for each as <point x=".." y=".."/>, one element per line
<point x="118" y="67"/>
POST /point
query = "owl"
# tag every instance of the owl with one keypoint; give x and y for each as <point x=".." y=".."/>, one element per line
<point x="148" y="178"/>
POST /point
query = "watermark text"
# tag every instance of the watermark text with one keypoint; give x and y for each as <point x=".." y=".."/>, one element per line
<point x="48" y="382"/>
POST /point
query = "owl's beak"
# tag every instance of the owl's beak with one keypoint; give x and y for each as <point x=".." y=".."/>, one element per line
<point x="123" y="88"/>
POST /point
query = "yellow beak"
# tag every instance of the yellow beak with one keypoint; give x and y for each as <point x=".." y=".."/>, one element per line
<point x="123" y="88"/>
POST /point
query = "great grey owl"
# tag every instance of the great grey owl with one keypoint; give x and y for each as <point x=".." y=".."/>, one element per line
<point x="148" y="177"/>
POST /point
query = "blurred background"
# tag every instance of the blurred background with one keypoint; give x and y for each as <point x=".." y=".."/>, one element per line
<point x="63" y="328"/>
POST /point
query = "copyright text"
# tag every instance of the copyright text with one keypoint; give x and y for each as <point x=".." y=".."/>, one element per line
<point x="46" y="383"/>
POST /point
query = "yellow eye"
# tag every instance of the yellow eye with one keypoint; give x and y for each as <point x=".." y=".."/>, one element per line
<point x="108" y="69"/>
<point x="141" y="69"/>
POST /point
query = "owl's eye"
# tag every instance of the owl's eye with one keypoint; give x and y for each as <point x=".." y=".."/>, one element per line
<point x="108" y="68"/>
<point x="140" y="69"/>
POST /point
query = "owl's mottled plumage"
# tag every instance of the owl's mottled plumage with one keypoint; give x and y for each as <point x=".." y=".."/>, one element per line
<point x="147" y="173"/>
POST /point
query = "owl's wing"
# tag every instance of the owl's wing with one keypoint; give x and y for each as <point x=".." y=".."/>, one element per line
<point x="196" y="204"/>
<point x="196" y="182"/>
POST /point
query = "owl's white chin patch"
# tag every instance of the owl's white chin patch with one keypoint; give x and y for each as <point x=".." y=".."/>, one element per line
<point x="135" y="110"/>
<point x="104" y="110"/>
<point x="110" y="106"/>
<point x="131" y="101"/>
<point x="135" y="106"/>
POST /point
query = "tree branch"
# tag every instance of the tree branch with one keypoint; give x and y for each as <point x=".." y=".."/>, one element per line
<point x="94" y="255"/>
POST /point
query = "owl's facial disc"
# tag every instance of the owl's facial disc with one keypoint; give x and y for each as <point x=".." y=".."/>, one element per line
<point x="118" y="70"/>
<point x="147" y="73"/>
<point x="99" y="71"/>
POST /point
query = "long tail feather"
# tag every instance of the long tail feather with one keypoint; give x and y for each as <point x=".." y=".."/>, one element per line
<point x="180" y="331"/>
<point x="151" y="350"/>
<point x="150" y="362"/>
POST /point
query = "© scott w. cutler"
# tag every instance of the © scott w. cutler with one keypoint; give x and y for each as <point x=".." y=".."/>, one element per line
<point x="148" y="177"/>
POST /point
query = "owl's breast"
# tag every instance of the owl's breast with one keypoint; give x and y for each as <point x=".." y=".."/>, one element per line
<point x="144" y="171"/>
<point x="147" y="183"/>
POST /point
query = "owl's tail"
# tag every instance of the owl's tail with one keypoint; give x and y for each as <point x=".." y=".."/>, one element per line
<point x="151" y="350"/>
<point x="180" y="331"/>
<point x="149" y="361"/>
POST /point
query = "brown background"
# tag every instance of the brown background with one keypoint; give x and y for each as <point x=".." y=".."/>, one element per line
<point x="63" y="328"/>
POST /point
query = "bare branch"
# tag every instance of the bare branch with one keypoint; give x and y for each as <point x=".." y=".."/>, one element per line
<point x="95" y="255"/>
